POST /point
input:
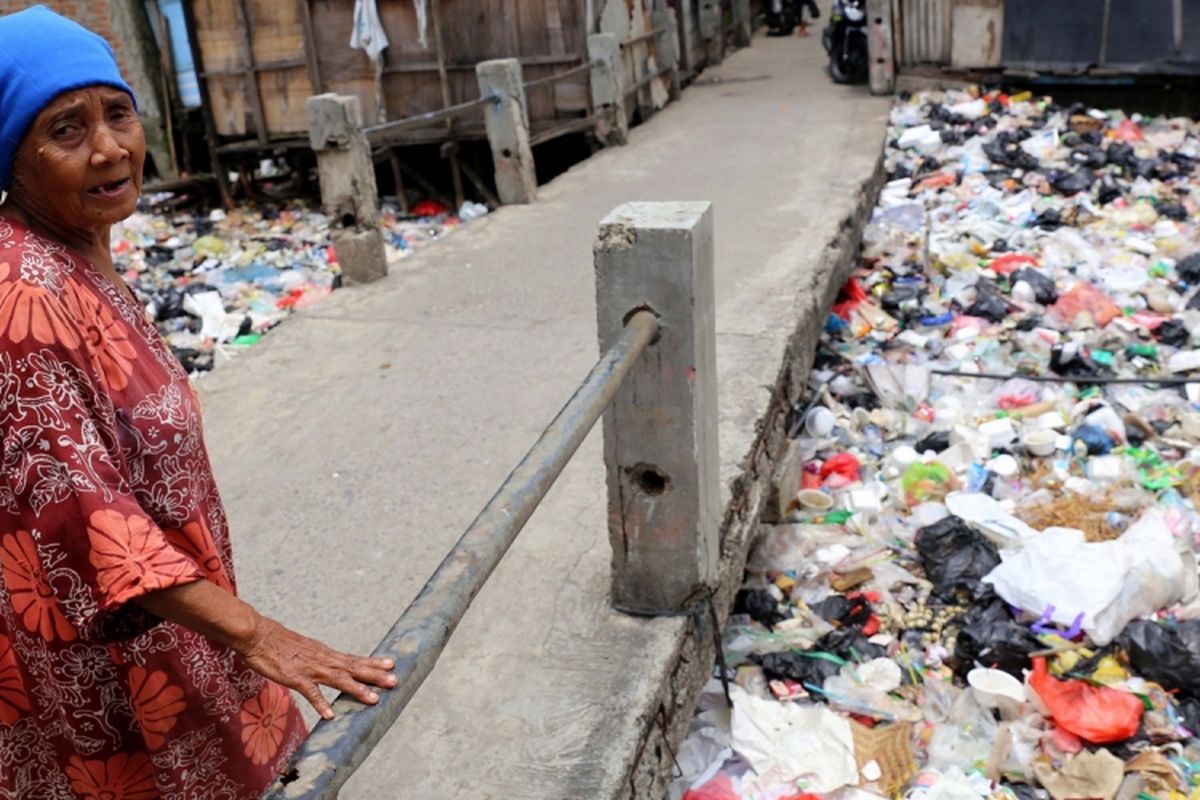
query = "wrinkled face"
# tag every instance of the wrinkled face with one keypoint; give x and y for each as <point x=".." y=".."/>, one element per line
<point x="80" y="164"/>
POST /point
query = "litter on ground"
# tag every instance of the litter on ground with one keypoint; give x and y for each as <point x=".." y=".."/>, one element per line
<point x="985" y="582"/>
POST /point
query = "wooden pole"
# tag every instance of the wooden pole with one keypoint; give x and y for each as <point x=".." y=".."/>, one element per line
<point x="210" y="125"/>
<point x="455" y="174"/>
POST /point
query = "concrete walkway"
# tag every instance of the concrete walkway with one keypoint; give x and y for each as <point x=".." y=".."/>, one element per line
<point x="358" y="441"/>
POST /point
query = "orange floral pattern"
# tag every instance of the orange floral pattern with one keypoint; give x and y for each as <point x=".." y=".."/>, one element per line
<point x="120" y="777"/>
<point x="156" y="704"/>
<point x="107" y="338"/>
<point x="265" y="722"/>
<point x="14" y="702"/>
<point x="195" y="541"/>
<point x="106" y="494"/>
<point x="130" y="557"/>
<point x="29" y="588"/>
<point x="28" y="310"/>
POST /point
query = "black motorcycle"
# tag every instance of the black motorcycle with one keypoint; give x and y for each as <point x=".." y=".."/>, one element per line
<point x="845" y="40"/>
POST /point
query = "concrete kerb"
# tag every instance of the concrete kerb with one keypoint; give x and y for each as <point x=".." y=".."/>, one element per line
<point x="666" y="718"/>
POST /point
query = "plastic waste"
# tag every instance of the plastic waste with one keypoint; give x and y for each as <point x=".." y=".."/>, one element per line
<point x="1095" y="713"/>
<point x="955" y="557"/>
<point x="1110" y="582"/>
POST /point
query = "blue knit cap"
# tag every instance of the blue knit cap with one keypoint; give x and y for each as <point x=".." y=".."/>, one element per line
<point x="43" y="55"/>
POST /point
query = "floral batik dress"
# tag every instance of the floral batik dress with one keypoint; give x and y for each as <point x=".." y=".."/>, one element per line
<point x="106" y="493"/>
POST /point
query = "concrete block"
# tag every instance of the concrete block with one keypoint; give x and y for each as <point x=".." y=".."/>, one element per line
<point x="360" y="254"/>
<point x="660" y="433"/>
<point x="608" y="86"/>
<point x="507" y="122"/>
<point x="882" y="71"/>
<point x="668" y="47"/>
<point x="743" y="23"/>
<point x="348" y="193"/>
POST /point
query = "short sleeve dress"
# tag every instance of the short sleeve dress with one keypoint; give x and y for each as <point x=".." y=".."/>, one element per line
<point x="106" y="493"/>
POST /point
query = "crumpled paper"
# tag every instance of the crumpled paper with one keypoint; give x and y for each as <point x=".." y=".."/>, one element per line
<point x="792" y="742"/>
<point x="1084" y="774"/>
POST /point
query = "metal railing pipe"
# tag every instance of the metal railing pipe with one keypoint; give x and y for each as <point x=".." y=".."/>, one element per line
<point x="559" y="76"/>
<point x="335" y="748"/>
<point x="429" y="117"/>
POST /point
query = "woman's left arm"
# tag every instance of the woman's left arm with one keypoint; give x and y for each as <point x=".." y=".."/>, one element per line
<point x="269" y="648"/>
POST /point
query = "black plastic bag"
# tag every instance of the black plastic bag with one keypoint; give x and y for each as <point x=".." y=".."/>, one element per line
<point x="1088" y="155"/>
<point x="955" y="558"/>
<point x="843" y="611"/>
<point x="810" y="667"/>
<point x="1071" y="183"/>
<point x="936" y="441"/>
<point x="1071" y="362"/>
<point x="1173" y="332"/>
<point x="1121" y="154"/>
<point x="1050" y="219"/>
<point x="1168" y="655"/>
<point x="1188" y="269"/>
<point x="1044" y="290"/>
<point x="1109" y="190"/>
<point x="992" y="638"/>
<point x="989" y="303"/>
<point x="1174" y="211"/>
<point x="760" y="606"/>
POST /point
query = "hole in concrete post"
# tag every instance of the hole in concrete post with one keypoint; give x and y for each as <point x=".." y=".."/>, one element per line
<point x="506" y="153"/>
<point x="348" y="221"/>
<point x="650" y="480"/>
<point x="658" y="333"/>
<point x="879" y="20"/>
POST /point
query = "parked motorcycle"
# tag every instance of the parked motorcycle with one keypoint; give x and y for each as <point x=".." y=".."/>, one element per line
<point x="845" y="40"/>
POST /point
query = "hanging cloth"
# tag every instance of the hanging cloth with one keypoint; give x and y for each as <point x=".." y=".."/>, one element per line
<point x="368" y="34"/>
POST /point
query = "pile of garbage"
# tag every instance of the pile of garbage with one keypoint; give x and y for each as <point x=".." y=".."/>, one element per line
<point x="215" y="283"/>
<point x="985" y="584"/>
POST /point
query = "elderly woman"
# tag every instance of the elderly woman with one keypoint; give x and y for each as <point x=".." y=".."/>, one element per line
<point x="129" y="669"/>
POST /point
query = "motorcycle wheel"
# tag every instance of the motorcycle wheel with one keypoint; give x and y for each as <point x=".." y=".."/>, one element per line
<point x="827" y="40"/>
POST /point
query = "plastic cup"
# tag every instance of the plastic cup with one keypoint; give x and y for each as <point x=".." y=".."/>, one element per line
<point x="819" y="422"/>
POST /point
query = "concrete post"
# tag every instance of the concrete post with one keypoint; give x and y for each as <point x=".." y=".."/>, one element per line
<point x="882" y="73"/>
<point x="660" y="433"/>
<point x="668" y="46"/>
<point x="710" y="31"/>
<point x="687" y="33"/>
<point x="743" y="24"/>
<point x="608" y="87"/>
<point x="348" y="194"/>
<point x="507" y="122"/>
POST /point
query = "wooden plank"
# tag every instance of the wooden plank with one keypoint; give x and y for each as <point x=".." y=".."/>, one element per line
<point x="286" y="92"/>
<point x="310" y="46"/>
<point x="554" y="27"/>
<point x="210" y="128"/>
<point x="246" y="57"/>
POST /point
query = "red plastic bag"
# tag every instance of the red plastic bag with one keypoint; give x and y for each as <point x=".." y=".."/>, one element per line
<point x="1129" y="131"/>
<point x="850" y="296"/>
<point x="843" y="465"/>
<point x="719" y="788"/>
<point x="1011" y="262"/>
<point x="1084" y="303"/>
<point x="428" y="208"/>
<point x="1097" y="714"/>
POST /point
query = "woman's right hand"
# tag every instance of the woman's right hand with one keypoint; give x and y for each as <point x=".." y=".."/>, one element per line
<point x="304" y="664"/>
<point x="270" y="649"/>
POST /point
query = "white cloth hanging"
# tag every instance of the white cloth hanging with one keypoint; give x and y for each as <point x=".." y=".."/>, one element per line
<point x="368" y="34"/>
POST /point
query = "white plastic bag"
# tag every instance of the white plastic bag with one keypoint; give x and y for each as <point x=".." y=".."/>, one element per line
<point x="1110" y="583"/>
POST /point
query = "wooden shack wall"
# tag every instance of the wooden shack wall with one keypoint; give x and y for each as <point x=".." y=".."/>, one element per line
<point x="269" y="37"/>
